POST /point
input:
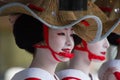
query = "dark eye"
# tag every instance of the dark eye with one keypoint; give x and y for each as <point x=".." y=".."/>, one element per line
<point x="61" y="34"/>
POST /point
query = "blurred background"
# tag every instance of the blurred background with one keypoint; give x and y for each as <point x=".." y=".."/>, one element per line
<point x="14" y="59"/>
<point x="11" y="57"/>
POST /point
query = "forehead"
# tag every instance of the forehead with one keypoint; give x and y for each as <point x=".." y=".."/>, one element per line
<point x="96" y="44"/>
<point x="65" y="29"/>
<point x="68" y="29"/>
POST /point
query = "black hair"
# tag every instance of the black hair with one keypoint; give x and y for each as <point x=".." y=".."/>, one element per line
<point x="112" y="38"/>
<point x="27" y="32"/>
<point x="77" y="39"/>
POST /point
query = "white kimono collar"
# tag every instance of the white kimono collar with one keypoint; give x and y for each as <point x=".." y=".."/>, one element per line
<point x="72" y="73"/>
<point x="34" y="73"/>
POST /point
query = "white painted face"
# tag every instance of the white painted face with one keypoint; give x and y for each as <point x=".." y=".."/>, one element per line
<point x="99" y="48"/>
<point x="61" y="40"/>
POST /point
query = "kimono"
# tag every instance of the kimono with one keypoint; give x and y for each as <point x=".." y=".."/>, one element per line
<point x="72" y="74"/>
<point x="34" y="74"/>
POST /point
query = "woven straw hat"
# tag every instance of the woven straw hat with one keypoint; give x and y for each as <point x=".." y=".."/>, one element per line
<point x="47" y="12"/>
<point x="111" y="26"/>
<point x="108" y="25"/>
<point x="107" y="65"/>
<point x="112" y="22"/>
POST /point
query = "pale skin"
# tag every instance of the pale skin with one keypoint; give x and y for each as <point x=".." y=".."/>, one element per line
<point x="118" y="53"/>
<point x="59" y="41"/>
<point x="108" y="74"/>
<point x="43" y="57"/>
<point x="81" y="60"/>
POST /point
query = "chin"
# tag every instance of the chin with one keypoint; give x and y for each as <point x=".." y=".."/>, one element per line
<point x="66" y="60"/>
<point x="63" y="59"/>
<point x="97" y="60"/>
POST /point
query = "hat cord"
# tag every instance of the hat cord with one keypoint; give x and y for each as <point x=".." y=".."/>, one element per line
<point x="32" y="6"/>
<point x="64" y="54"/>
<point x="90" y="54"/>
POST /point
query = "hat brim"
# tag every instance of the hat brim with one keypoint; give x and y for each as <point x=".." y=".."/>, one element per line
<point x="91" y="33"/>
<point x="93" y="9"/>
<point x="12" y="8"/>
<point x="110" y="26"/>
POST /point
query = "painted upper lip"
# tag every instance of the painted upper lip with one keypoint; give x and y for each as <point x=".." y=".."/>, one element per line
<point x="104" y="53"/>
<point x="66" y="50"/>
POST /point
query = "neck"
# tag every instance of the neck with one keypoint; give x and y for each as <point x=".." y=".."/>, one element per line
<point x="118" y="53"/>
<point x="81" y="62"/>
<point x="43" y="59"/>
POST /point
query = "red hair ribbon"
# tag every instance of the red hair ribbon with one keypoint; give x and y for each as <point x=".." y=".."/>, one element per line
<point x="118" y="40"/>
<point x="106" y="9"/>
<point x="85" y="23"/>
<point x="32" y="6"/>
<point x="32" y="79"/>
<point x="68" y="55"/>
<point x="117" y="75"/>
<point x="70" y="78"/>
<point x="46" y="32"/>
<point x="83" y="48"/>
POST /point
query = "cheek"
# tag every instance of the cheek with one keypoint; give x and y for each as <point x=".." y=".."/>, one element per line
<point x="94" y="48"/>
<point x="72" y="42"/>
<point x="56" y="43"/>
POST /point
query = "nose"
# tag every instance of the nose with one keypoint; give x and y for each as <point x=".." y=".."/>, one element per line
<point x="69" y="41"/>
<point x="106" y="44"/>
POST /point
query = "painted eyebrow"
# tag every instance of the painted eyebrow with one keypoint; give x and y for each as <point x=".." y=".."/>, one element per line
<point x="67" y="28"/>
